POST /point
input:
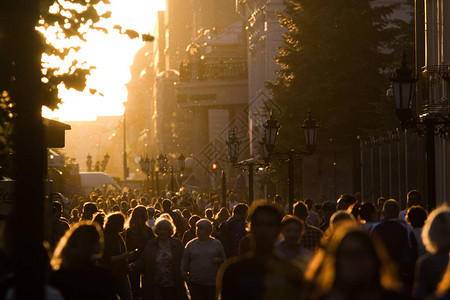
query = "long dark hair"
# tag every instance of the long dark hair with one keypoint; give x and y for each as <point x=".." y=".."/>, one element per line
<point x="114" y="223"/>
<point x="80" y="245"/>
<point x="138" y="217"/>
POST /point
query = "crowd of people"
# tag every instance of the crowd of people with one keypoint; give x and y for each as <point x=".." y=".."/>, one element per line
<point x="188" y="246"/>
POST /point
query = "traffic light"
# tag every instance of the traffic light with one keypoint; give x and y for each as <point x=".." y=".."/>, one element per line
<point x="214" y="166"/>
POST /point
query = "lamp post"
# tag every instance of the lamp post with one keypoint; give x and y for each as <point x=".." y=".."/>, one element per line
<point x="152" y="172"/>
<point x="164" y="167"/>
<point x="161" y="169"/>
<point x="249" y="164"/>
<point x="310" y="130"/>
<point x="428" y="124"/>
<point x="144" y="163"/>
<point x="89" y="162"/>
<point x="104" y="162"/>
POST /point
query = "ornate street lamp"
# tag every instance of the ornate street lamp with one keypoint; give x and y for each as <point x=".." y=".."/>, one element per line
<point x="310" y="129"/>
<point x="89" y="162"/>
<point x="162" y="163"/>
<point x="233" y="147"/>
<point x="271" y="128"/>
<point x="144" y="163"/>
<point x="403" y="82"/>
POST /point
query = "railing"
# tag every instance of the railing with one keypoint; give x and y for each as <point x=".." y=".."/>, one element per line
<point x="204" y="71"/>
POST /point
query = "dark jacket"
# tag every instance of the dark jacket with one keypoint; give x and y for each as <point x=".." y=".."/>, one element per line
<point x="146" y="265"/>
<point x="86" y="282"/>
<point x="136" y="239"/>
<point x="115" y="245"/>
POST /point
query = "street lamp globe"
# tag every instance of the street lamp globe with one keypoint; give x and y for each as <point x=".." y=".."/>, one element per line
<point x="233" y="146"/>
<point x="310" y="129"/>
<point x="182" y="162"/>
<point x="271" y="128"/>
<point x="403" y="81"/>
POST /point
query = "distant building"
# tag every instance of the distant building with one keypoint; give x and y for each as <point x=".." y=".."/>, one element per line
<point x="96" y="138"/>
<point x="213" y="90"/>
<point x="264" y="36"/>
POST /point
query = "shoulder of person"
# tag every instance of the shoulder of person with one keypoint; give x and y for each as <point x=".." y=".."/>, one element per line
<point x="176" y="242"/>
<point x="192" y="243"/>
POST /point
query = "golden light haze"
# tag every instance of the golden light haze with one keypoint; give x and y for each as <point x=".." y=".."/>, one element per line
<point x="112" y="54"/>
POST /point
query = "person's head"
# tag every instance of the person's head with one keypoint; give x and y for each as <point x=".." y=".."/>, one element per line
<point x="114" y="223"/>
<point x="193" y="220"/>
<point x="380" y="203"/>
<point x="367" y="212"/>
<point x="139" y="216"/>
<point x="345" y="201"/>
<point x="240" y="211"/>
<point x="223" y="214"/>
<point x="133" y="203"/>
<point x="204" y="229"/>
<point x="328" y="209"/>
<point x="164" y="227"/>
<point x="413" y="198"/>
<point x="309" y="203"/>
<point x="209" y="213"/>
<point x="89" y="209"/>
<point x="352" y="260"/>
<point x="391" y="209"/>
<point x="151" y="212"/>
<point x="99" y="218"/>
<point x="436" y="231"/>
<point x="75" y="213"/>
<point x="166" y="205"/>
<point x="340" y="217"/>
<point x="186" y="214"/>
<point x="124" y="205"/>
<point x="80" y="245"/>
<point x="416" y="216"/>
<point x="301" y="210"/>
<point x="116" y="208"/>
<point x="112" y="202"/>
<point x="265" y="221"/>
<point x="278" y="199"/>
<point x="292" y="229"/>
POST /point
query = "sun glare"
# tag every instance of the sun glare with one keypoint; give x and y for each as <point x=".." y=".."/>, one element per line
<point x="112" y="54"/>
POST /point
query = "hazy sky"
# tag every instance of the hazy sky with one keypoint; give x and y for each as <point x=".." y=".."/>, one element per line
<point x="112" y="54"/>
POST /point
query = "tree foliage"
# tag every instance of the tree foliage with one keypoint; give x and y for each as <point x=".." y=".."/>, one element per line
<point x="334" y="61"/>
<point x="62" y="26"/>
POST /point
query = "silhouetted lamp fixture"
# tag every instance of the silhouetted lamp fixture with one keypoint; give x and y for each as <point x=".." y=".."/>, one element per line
<point x="144" y="163"/>
<point x="161" y="162"/>
<point x="233" y="146"/>
<point x="310" y="129"/>
<point x="89" y="162"/>
<point x="271" y="128"/>
<point x="403" y="82"/>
